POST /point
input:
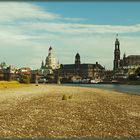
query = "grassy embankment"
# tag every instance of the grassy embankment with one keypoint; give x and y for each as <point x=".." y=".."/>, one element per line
<point x="10" y="84"/>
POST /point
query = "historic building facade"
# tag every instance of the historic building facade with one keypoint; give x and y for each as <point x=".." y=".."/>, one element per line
<point x="126" y="65"/>
<point x="50" y="64"/>
<point x="50" y="61"/>
<point x="91" y="71"/>
<point x="117" y="55"/>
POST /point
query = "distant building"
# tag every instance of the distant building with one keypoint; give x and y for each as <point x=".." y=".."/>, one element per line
<point x="50" y="63"/>
<point x="131" y="61"/>
<point x="116" y="61"/>
<point x="125" y="66"/>
<point x="108" y="75"/>
<point x="9" y="73"/>
<point x="25" y="70"/>
<point x="83" y="70"/>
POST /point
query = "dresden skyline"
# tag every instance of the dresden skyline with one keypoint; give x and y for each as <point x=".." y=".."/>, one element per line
<point x="28" y="29"/>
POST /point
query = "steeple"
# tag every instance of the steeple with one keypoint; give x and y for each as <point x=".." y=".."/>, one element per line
<point x="42" y="64"/>
<point x="77" y="59"/>
<point x="117" y="43"/>
<point x="50" y="51"/>
<point x="124" y="56"/>
<point x="117" y="54"/>
<point x="58" y="64"/>
<point x="77" y="63"/>
<point x="124" y="60"/>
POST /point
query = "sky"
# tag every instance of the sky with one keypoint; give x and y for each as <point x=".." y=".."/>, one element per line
<point x="28" y="29"/>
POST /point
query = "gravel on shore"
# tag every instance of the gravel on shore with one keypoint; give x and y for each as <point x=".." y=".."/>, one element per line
<point x="39" y="111"/>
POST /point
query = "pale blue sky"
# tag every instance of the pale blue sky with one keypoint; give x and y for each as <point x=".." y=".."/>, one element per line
<point x="29" y="28"/>
<point x="114" y="13"/>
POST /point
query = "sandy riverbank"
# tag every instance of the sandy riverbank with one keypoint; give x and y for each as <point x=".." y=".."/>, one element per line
<point x="39" y="111"/>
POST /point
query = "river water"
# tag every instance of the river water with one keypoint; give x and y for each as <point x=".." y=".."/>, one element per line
<point x="131" y="89"/>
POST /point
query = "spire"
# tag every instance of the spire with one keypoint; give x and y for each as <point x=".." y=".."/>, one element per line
<point x="77" y="55"/>
<point x="50" y="48"/>
<point x="116" y="35"/>
<point x="58" y="64"/>
<point x="50" y="51"/>
<point x="77" y="58"/>
<point x="42" y="64"/>
<point x="117" y="43"/>
<point x="117" y="54"/>
<point x="124" y="56"/>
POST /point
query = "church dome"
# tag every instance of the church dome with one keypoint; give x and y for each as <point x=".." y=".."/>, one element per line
<point x="50" y="48"/>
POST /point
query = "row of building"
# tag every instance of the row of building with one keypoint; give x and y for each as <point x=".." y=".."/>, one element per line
<point x="122" y="67"/>
<point x="71" y="72"/>
<point x="50" y="69"/>
<point x="11" y="73"/>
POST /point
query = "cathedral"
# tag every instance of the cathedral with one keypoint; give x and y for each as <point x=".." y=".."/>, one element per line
<point x="50" y="63"/>
<point x="128" y="64"/>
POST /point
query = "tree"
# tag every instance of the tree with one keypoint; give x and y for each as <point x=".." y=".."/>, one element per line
<point x="132" y="77"/>
<point x="3" y="65"/>
<point x="24" y="79"/>
<point x="138" y="71"/>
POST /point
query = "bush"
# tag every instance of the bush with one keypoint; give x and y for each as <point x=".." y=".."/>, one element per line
<point x="132" y="77"/>
<point x="138" y="72"/>
<point x="64" y="97"/>
<point x="70" y="97"/>
<point x="24" y="79"/>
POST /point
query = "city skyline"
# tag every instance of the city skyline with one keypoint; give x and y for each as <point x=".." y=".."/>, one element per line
<point x="28" y="29"/>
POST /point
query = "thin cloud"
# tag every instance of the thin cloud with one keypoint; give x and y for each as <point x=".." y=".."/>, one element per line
<point x="72" y="28"/>
<point x="11" y="11"/>
<point x="75" y="19"/>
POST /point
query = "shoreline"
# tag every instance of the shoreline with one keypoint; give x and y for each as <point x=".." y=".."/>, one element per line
<point x="109" y="89"/>
<point x="39" y="111"/>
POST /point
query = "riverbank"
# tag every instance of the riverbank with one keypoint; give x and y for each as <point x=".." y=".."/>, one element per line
<point x="131" y="82"/>
<point x="130" y="89"/>
<point x="10" y="84"/>
<point x="39" y="111"/>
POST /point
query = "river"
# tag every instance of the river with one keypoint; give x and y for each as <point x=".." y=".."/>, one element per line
<point x="131" y="89"/>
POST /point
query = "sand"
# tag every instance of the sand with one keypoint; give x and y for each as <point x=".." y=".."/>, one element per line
<point x="39" y="111"/>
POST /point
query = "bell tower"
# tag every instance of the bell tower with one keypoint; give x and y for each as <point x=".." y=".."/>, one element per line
<point x="77" y="60"/>
<point x="116" y="54"/>
<point x="77" y="63"/>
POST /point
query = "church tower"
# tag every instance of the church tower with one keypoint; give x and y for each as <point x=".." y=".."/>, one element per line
<point x="77" y="63"/>
<point x="77" y="60"/>
<point x="117" y="55"/>
<point x="124" y="60"/>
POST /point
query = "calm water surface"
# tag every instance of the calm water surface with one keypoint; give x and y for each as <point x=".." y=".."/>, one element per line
<point x="131" y="89"/>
